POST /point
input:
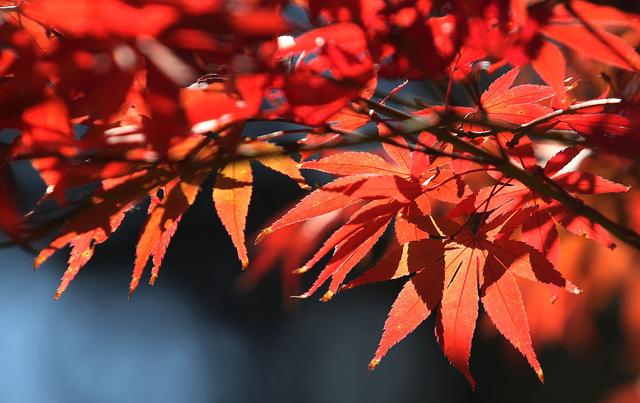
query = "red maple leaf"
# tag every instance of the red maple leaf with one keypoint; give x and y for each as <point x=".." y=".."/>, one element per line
<point x="403" y="189"/>
<point x="477" y="261"/>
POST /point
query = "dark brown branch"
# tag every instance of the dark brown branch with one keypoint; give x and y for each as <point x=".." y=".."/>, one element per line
<point x="536" y="182"/>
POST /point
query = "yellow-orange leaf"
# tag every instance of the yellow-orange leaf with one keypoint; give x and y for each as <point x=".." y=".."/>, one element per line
<point x="231" y="195"/>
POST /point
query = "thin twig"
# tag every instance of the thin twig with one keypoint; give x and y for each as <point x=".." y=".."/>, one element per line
<point x="522" y="130"/>
<point x="570" y="109"/>
<point x="527" y="178"/>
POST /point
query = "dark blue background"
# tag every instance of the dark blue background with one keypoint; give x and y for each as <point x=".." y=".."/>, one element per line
<point x="195" y="338"/>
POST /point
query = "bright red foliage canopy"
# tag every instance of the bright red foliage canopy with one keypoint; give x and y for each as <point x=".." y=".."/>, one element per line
<point x="146" y="99"/>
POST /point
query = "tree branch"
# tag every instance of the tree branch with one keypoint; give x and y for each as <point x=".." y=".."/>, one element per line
<point x="536" y="182"/>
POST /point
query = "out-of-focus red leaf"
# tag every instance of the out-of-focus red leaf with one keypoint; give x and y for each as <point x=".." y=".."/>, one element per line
<point x="101" y="19"/>
<point x="419" y="48"/>
<point x="213" y="107"/>
<point x="551" y="66"/>
<point x="10" y="216"/>
<point x="601" y="15"/>
<point x="519" y="11"/>
<point x="47" y="130"/>
<point x="615" y="51"/>
<point x="360" y="11"/>
<point x="334" y="67"/>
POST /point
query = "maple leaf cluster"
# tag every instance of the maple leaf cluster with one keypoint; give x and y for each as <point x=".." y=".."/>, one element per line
<point x="145" y="100"/>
